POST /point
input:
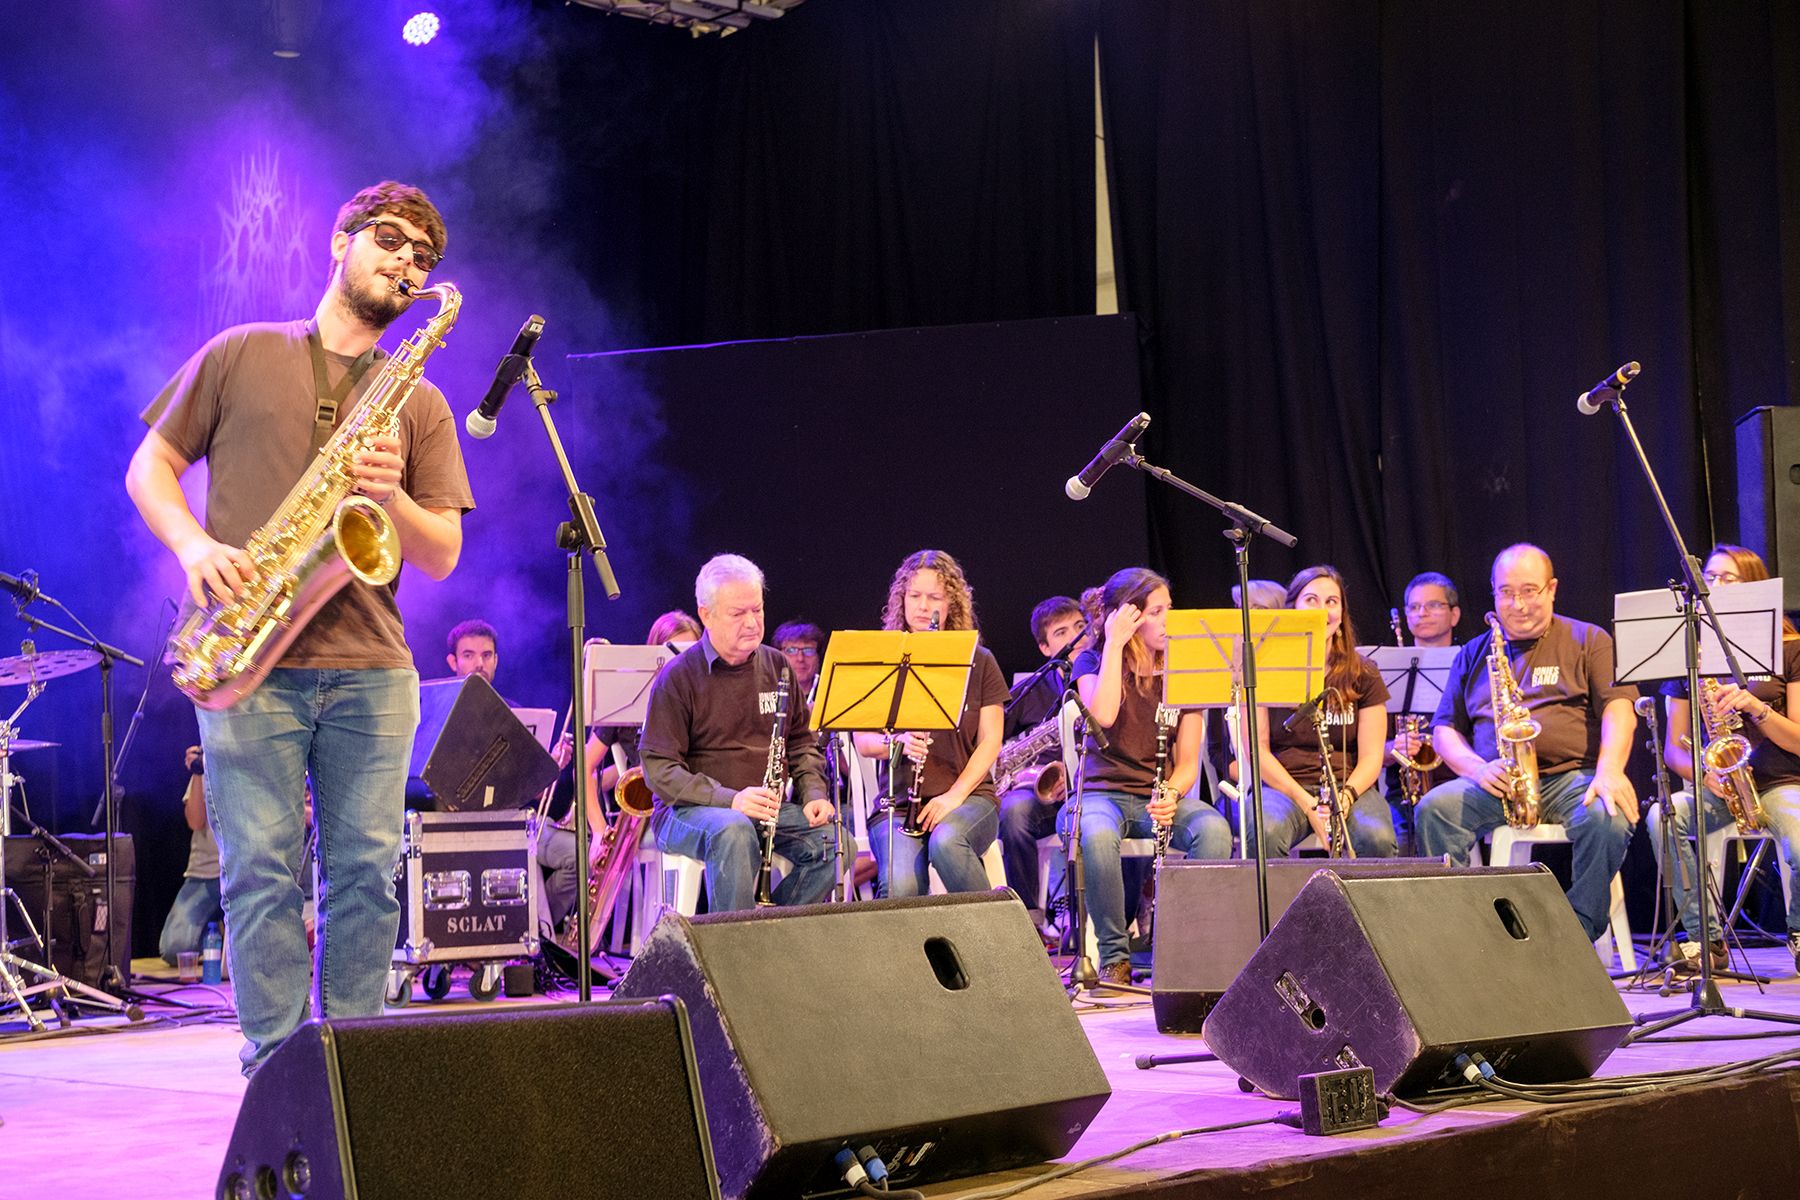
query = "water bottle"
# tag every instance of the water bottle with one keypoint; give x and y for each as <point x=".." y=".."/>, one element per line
<point x="212" y="947"/>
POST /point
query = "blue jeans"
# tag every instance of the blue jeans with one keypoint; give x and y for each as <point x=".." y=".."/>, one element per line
<point x="196" y="904"/>
<point x="1024" y="819"/>
<point x="1370" y="821"/>
<point x="1107" y="818"/>
<point x="352" y="732"/>
<point x="1453" y="815"/>
<point x="1781" y="818"/>
<point x="954" y="847"/>
<point x="730" y="844"/>
<point x="556" y="854"/>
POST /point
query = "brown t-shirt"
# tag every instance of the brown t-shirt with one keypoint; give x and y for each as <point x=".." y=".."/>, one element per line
<point x="1565" y="678"/>
<point x="1770" y="765"/>
<point x="950" y="749"/>
<point x="246" y="403"/>
<point x="1298" y="750"/>
<point x="708" y="728"/>
<point x="1128" y="764"/>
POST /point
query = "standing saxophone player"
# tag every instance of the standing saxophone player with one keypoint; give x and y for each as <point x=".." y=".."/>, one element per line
<point x="706" y="746"/>
<point x="342" y="702"/>
<point x="1564" y="673"/>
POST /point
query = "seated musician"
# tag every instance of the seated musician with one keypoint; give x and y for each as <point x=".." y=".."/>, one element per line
<point x="1563" y="672"/>
<point x="1433" y="611"/>
<point x="706" y="749"/>
<point x="804" y="645"/>
<point x="946" y="769"/>
<point x="1028" y="809"/>
<point x="1121" y="685"/>
<point x="1355" y="711"/>
<point x="1767" y="721"/>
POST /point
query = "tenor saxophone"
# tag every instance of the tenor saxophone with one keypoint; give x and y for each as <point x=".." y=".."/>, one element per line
<point x="1515" y="735"/>
<point x="1727" y="760"/>
<point x="321" y="537"/>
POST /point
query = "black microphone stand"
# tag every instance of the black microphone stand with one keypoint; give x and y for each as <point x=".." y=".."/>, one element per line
<point x="579" y="536"/>
<point x="1243" y="525"/>
<point x="1696" y="597"/>
<point x="112" y="979"/>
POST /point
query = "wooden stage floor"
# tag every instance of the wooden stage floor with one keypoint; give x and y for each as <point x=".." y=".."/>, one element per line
<point x="146" y="1113"/>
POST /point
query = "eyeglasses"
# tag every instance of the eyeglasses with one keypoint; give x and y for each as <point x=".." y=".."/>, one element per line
<point x="1523" y="595"/>
<point x="391" y="237"/>
<point x="802" y="651"/>
<point x="1419" y="608"/>
<point x="1721" y="577"/>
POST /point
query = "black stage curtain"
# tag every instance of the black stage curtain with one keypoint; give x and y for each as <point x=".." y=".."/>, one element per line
<point x="1380" y="246"/>
<point x="858" y="165"/>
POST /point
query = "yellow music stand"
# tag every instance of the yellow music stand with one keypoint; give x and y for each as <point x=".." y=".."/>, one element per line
<point x="881" y="680"/>
<point x="1204" y="664"/>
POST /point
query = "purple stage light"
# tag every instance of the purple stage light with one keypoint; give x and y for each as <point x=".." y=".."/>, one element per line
<point x="421" y="28"/>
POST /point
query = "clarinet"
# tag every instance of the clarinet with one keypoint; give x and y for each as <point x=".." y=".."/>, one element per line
<point x="775" y="779"/>
<point x="1330" y="794"/>
<point x="1164" y="829"/>
<point x="1394" y="620"/>
<point x="912" y="824"/>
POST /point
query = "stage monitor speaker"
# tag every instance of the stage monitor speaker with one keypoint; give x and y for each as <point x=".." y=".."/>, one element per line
<point x="933" y="1029"/>
<point x="593" y="1100"/>
<point x="1206" y="927"/>
<point x="77" y="912"/>
<point x="1768" y="474"/>
<point x="1402" y="975"/>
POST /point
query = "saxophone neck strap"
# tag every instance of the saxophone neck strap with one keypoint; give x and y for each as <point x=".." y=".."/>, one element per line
<point x="330" y="399"/>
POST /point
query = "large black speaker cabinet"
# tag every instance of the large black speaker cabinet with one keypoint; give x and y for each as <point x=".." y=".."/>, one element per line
<point x="77" y="916"/>
<point x="1768" y="474"/>
<point x="933" y="1029"/>
<point x="1402" y="975"/>
<point x="584" y="1100"/>
<point x="1206" y="927"/>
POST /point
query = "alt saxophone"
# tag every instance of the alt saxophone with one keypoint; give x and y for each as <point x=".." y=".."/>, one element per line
<point x="321" y="537"/>
<point x="775" y="779"/>
<point x="1515" y="734"/>
<point x="1727" y="759"/>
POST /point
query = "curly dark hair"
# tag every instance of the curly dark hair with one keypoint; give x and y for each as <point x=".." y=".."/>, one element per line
<point x="401" y="199"/>
<point x="960" y="613"/>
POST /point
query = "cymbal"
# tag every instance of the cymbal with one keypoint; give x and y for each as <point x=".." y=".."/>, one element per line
<point x="20" y="745"/>
<point x="27" y="668"/>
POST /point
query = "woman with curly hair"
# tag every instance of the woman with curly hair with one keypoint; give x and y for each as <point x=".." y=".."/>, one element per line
<point x="962" y="816"/>
<point x="1121" y="685"/>
<point x="1356" y="729"/>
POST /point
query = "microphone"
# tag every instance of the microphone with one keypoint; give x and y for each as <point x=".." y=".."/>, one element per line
<point x="480" y="423"/>
<point x="23" y="590"/>
<point x="1613" y="384"/>
<point x="1080" y="485"/>
<point x="1304" y="714"/>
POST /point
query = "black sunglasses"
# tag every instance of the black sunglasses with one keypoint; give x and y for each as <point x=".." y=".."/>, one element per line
<point x="391" y="237"/>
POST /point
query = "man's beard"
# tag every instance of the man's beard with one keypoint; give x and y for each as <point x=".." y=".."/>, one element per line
<point x="377" y="311"/>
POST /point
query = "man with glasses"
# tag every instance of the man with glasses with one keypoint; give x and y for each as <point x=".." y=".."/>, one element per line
<point x="803" y="643"/>
<point x="1564" y="670"/>
<point x="1433" y="611"/>
<point x="257" y="402"/>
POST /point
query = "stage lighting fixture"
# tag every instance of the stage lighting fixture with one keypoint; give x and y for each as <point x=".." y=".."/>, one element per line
<point x="420" y="28"/>
<point x="722" y="17"/>
<point x="289" y="25"/>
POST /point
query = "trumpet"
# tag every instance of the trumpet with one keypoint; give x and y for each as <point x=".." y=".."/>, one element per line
<point x="1415" y="768"/>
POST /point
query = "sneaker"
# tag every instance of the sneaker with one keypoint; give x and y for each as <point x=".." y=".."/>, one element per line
<point x="1687" y="961"/>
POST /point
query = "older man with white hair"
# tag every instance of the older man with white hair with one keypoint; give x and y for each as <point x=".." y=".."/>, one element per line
<point x="706" y="745"/>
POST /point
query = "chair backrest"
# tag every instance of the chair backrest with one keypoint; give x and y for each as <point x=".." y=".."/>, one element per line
<point x="1071" y="749"/>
